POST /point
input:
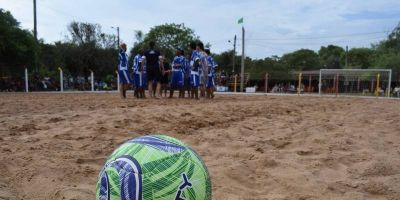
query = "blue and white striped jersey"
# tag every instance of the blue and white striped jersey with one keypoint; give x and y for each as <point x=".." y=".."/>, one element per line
<point x="203" y="60"/>
<point x="195" y="54"/>
<point x="137" y="62"/>
<point x="178" y="63"/>
<point x="122" y="60"/>
<point x="211" y="65"/>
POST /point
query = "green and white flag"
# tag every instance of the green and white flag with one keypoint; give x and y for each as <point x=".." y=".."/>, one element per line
<point x="240" y="21"/>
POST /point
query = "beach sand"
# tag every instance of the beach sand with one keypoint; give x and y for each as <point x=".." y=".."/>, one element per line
<point x="52" y="146"/>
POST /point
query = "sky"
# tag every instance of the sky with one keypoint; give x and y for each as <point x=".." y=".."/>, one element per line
<point x="271" y="27"/>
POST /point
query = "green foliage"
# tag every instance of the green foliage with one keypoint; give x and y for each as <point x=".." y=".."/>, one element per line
<point x="168" y="38"/>
<point x="17" y="46"/>
<point x="303" y="59"/>
<point x="332" y="57"/>
<point x="360" y="58"/>
<point x="86" y="49"/>
<point x="84" y="33"/>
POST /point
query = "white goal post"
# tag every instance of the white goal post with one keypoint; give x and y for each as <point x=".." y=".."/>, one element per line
<point x="367" y="82"/>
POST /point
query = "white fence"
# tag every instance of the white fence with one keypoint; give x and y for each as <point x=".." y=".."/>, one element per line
<point x="61" y="76"/>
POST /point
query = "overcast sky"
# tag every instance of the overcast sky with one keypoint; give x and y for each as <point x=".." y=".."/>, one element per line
<point x="272" y="27"/>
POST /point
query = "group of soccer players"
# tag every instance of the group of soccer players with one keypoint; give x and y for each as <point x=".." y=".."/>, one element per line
<point x="189" y="74"/>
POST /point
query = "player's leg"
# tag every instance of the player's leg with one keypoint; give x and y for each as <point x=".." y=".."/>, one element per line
<point x="121" y="90"/>
<point x="212" y="87"/>
<point x="150" y="88"/>
<point x="157" y="79"/>
<point x="196" y="93"/>
<point x="196" y="90"/>
<point x="123" y="81"/>
<point x="171" y="89"/>
<point x="172" y="85"/>
<point x="124" y="88"/>
<point x="191" y="81"/>
<point x="158" y="90"/>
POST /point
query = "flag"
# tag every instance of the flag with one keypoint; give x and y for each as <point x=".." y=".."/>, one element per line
<point x="240" y="21"/>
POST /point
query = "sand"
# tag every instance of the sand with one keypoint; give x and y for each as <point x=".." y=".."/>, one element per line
<point x="52" y="146"/>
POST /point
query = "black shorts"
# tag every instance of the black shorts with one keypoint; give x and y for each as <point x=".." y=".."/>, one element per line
<point x="164" y="79"/>
<point x="153" y="73"/>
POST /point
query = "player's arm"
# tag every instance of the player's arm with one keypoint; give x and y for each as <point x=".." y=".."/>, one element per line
<point x="142" y="64"/>
<point x="161" y="61"/>
<point x="177" y="63"/>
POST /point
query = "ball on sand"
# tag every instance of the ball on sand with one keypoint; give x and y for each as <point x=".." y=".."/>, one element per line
<point x="154" y="167"/>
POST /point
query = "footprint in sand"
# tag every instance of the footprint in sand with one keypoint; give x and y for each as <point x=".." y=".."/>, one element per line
<point x="74" y="193"/>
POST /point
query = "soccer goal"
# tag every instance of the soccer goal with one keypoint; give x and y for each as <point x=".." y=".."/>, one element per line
<point x="356" y="82"/>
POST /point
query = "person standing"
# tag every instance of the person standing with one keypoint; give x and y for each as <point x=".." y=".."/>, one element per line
<point x="166" y="70"/>
<point x="194" y="72"/>
<point x="177" y="73"/>
<point x="136" y="68"/>
<point x="211" y="70"/>
<point x="140" y="75"/>
<point x="203" y="68"/>
<point x="186" y="83"/>
<point x="124" y="79"/>
<point x="153" y="69"/>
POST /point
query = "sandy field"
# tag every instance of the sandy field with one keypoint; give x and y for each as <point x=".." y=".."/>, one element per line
<point x="52" y="146"/>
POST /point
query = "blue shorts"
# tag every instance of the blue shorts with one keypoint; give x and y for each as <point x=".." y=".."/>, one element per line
<point x="141" y="80"/>
<point x="210" y="83"/>
<point x="194" y="80"/>
<point x="124" y="77"/>
<point x="177" y="79"/>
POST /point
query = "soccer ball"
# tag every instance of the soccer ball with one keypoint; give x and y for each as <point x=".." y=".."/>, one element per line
<point x="154" y="167"/>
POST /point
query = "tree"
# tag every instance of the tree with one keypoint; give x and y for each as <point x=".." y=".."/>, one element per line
<point x="89" y="49"/>
<point x="331" y="56"/>
<point x="387" y="53"/>
<point x="168" y="37"/>
<point x="84" y="33"/>
<point x="360" y="58"/>
<point x="225" y="60"/>
<point x="303" y="59"/>
<point x="393" y="41"/>
<point x="17" y="46"/>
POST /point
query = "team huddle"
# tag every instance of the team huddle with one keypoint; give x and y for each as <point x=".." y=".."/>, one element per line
<point x="150" y="71"/>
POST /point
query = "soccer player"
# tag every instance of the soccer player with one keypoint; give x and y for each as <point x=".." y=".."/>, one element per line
<point x="194" y="72"/>
<point x="203" y="68"/>
<point x="153" y="69"/>
<point x="136" y="66"/>
<point x="210" y="82"/>
<point x="124" y="78"/>
<point x="166" y="69"/>
<point x="177" y="73"/>
<point x="186" y="83"/>
<point x="140" y="75"/>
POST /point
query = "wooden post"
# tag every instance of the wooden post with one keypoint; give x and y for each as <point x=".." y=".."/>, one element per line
<point x="372" y="85"/>
<point x="92" y="80"/>
<point x="26" y="80"/>
<point x="377" y="84"/>
<point x="337" y="84"/>
<point x="235" y="83"/>
<point x="299" y="87"/>
<point x="334" y="85"/>
<point x="61" y="80"/>
<point x="117" y="81"/>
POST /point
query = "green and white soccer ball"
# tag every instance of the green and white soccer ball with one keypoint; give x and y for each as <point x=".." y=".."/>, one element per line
<point x="154" y="167"/>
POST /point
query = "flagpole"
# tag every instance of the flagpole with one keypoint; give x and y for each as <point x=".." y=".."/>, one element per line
<point x="242" y="67"/>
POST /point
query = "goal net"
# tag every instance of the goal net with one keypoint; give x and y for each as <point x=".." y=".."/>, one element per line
<point x="366" y="82"/>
